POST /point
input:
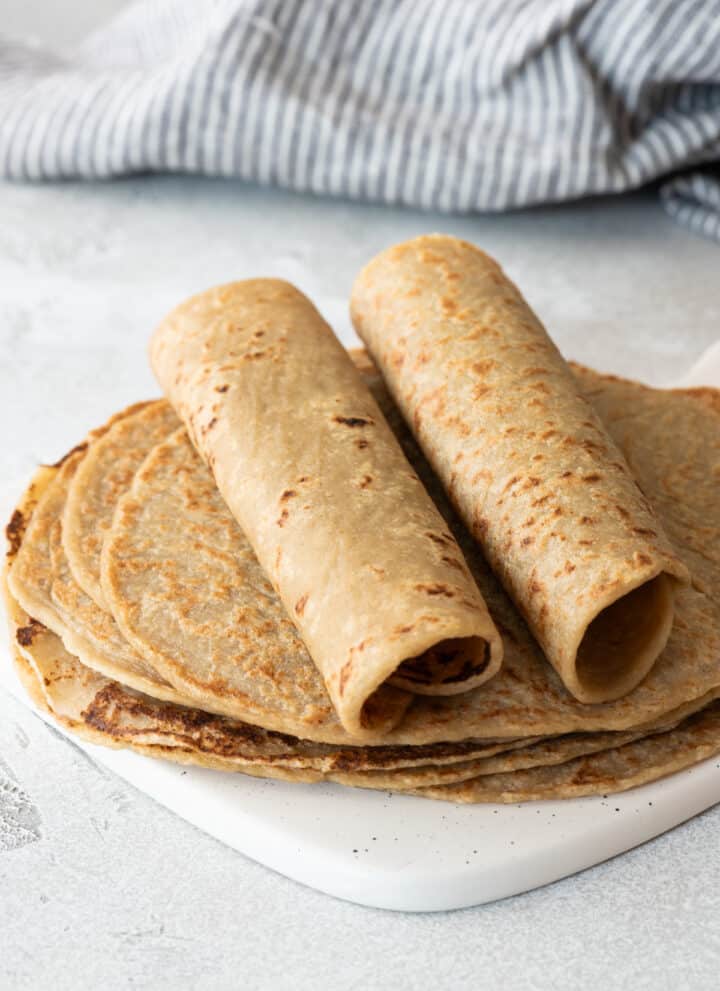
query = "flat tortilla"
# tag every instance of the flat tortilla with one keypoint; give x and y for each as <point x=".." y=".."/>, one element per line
<point x="101" y="477"/>
<point x="105" y="713"/>
<point x="676" y="463"/>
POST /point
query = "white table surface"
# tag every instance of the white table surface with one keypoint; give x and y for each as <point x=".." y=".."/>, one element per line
<point x="101" y="887"/>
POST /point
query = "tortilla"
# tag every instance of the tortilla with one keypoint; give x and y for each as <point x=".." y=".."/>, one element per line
<point x="103" y="474"/>
<point x="41" y="581"/>
<point x="526" y="698"/>
<point x="635" y="764"/>
<point x="340" y="523"/>
<point x="527" y="461"/>
<point x="40" y="575"/>
<point x="673" y="442"/>
<point x="103" y="712"/>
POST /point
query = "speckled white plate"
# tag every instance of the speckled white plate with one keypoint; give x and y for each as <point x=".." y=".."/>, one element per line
<point x="397" y="852"/>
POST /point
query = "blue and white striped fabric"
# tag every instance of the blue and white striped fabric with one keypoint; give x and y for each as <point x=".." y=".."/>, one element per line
<point x="449" y="104"/>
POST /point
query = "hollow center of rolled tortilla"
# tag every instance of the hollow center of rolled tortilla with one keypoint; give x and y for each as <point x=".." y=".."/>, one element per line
<point x="623" y="641"/>
<point x="445" y="665"/>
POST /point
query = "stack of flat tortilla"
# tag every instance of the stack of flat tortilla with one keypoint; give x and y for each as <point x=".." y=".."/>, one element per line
<point x="482" y="576"/>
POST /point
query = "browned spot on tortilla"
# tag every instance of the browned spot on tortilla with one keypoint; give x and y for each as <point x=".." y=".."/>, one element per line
<point x="345" y="672"/>
<point x="435" y="588"/>
<point x="481" y="390"/>
<point x="287" y="494"/>
<point x="282" y="518"/>
<point x="300" y="605"/>
<point x="587" y="520"/>
<point x="481" y="524"/>
<point x="448" y="304"/>
<point x="548" y="434"/>
<point x="483" y="367"/>
<point x="15" y="531"/>
<point x="569" y="568"/>
<point x="567" y="474"/>
<point x="440" y="538"/>
<point x="535" y="587"/>
<point x="453" y="563"/>
<point x="644" y="531"/>
<point x="509" y="485"/>
<point x="592" y="477"/>
<point x="585" y="543"/>
<point x="526" y="541"/>
<point x="353" y="421"/>
<point x="26" y="634"/>
<point x="221" y="388"/>
<point x="365" y="481"/>
<point x="278" y="558"/>
<point x="540" y="500"/>
<point x="623" y="512"/>
<point x="643" y="558"/>
<point x="361" y="443"/>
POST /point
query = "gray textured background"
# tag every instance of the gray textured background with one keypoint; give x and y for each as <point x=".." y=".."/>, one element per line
<point x="98" y="885"/>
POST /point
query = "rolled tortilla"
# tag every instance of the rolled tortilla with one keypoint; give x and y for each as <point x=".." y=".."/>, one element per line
<point x="525" y="459"/>
<point x="361" y="558"/>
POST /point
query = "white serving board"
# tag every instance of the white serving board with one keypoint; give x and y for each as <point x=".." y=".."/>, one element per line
<point x="410" y="854"/>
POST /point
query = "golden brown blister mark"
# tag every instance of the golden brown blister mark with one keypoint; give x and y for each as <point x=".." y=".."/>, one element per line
<point x="541" y="500"/>
<point x="15" y="531"/>
<point x="453" y="563"/>
<point x="644" y="531"/>
<point x="221" y="388"/>
<point x="361" y="444"/>
<point x="483" y="367"/>
<point x="280" y="521"/>
<point x="287" y="494"/>
<point x="300" y="605"/>
<point x="592" y="477"/>
<point x="26" y="634"/>
<point x="345" y="673"/>
<point x="436" y="588"/>
<point x="642" y="558"/>
<point x="365" y="481"/>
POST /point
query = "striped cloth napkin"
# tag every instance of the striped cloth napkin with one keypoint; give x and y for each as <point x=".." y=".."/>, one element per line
<point x="443" y="104"/>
